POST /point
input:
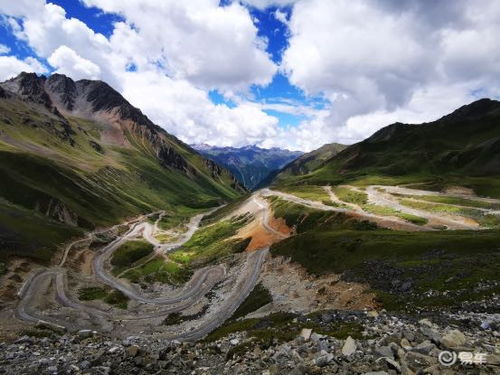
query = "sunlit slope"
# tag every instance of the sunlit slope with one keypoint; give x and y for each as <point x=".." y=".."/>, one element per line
<point x="462" y="148"/>
<point x="65" y="173"/>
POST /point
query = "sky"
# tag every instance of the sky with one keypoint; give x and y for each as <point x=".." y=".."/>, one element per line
<point x="294" y="74"/>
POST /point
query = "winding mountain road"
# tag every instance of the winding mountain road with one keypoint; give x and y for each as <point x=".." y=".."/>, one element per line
<point x="41" y="282"/>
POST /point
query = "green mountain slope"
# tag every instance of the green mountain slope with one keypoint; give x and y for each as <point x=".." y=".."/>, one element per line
<point x="308" y="162"/>
<point x="77" y="155"/>
<point x="462" y="148"/>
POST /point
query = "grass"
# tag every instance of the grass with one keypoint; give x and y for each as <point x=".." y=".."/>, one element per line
<point x="43" y="171"/>
<point x="224" y="211"/>
<point x="350" y="196"/>
<point x="458" y="201"/>
<point x="113" y="297"/>
<point x="210" y="243"/>
<point x="388" y="211"/>
<point x="92" y="293"/>
<point x="259" y="297"/>
<point x="330" y="243"/>
<point x="129" y="253"/>
<point x="282" y="327"/>
<point x="159" y="270"/>
<point x="311" y="192"/>
<point x="117" y="299"/>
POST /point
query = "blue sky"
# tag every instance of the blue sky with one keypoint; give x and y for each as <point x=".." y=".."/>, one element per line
<point x="221" y="72"/>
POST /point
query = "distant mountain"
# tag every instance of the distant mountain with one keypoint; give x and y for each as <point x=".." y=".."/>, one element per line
<point x="77" y="155"/>
<point x="460" y="148"/>
<point x="250" y="164"/>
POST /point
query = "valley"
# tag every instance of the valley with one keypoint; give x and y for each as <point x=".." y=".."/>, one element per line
<point x="114" y="231"/>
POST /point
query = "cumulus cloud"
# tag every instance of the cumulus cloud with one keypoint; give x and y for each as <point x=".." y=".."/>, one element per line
<point x="11" y="66"/>
<point x="211" y="46"/>
<point x="67" y="61"/>
<point x="180" y="50"/>
<point x="374" y="61"/>
<point x="380" y="61"/>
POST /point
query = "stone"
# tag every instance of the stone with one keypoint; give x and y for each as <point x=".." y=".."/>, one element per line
<point x="306" y="333"/>
<point x="84" y="365"/>
<point x="425" y="322"/>
<point x="424" y="347"/>
<point x="372" y="314"/>
<point x="84" y="333"/>
<point x="392" y="363"/>
<point x="384" y="351"/>
<point x="349" y="347"/>
<point x="431" y="334"/>
<point x="234" y="342"/>
<point x="453" y="339"/>
<point x="376" y="373"/>
<point x="405" y="344"/>
<point x="132" y="350"/>
<point x="323" y="359"/>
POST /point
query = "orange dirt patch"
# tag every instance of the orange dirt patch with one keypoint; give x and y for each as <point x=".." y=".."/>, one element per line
<point x="261" y="237"/>
<point x="280" y="225"/>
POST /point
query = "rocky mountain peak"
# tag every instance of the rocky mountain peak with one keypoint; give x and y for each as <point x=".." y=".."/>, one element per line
<point x="62" y="89"/>
<point x="29" y="86"/>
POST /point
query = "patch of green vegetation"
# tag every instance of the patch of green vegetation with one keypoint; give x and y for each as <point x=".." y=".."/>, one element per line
<point x="159" y="270"/>
<point x="350" y="196"/>
<point x="117" y="299"/>
<point x="388" y="211"/>
<point x="30" y="234"/>
<point x="173" y="319"/>
<point x="92" y="293"/>
<point x="46" y="168"/>
<point x="210" y="243"/>
<point x="224" y="211"/>
<point x="305" y="218"/>
<point x="485" y="220"/>
<point x="259" y="297"/>
<point x="458" y="201"/>
<point x="354" y="252"/>
<point x="37" y="332"/>
<point x="129" y="253"/>
<point x="282" y="327"/>
<point x="332" y="243"/>
<point x="311" y="192"/>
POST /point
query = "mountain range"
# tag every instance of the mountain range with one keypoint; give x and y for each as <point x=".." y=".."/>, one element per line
<point x="251" y="165"/>
<point x="76" y="155"/>
<point x="462" y="148"/>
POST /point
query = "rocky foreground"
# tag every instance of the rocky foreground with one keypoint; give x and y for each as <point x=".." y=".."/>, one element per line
<point x="387" y="344"/>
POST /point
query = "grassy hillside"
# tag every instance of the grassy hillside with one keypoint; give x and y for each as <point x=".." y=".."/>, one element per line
<point x="62" y="175"/>
<point x="462" y="148"/>
<point x="307" y="162"/>
<point x="407" y="270"/>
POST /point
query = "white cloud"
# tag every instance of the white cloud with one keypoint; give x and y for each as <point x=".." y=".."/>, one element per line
<point x="263" y="4"/>
<point x="11" y="66"/>
<point x="210" y="46"/>
<point x="68" y="62"/>
<point x="187" y="111"/>
<point x="4" y="49"/>
<point x="281" y="16"/>
<point x="179" y="49"/>
<point x="382" y="61"/>
<point x="376" y="61"/>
